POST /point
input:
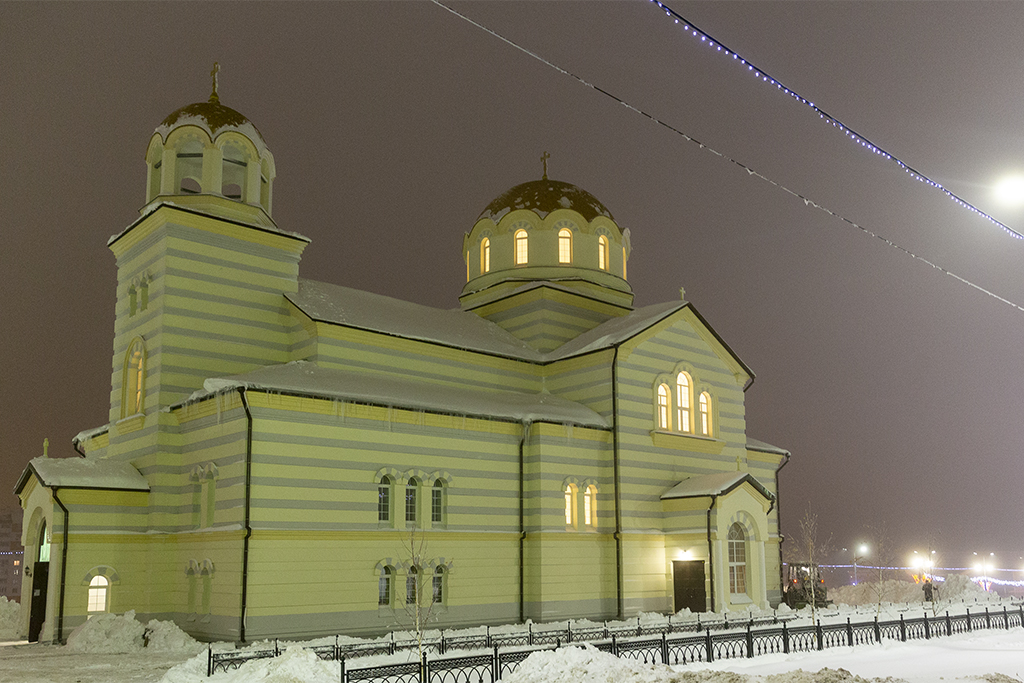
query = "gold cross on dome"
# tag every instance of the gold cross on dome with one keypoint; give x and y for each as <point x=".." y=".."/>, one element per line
<point x="544" y="160"/>
<point x="213" y="76"/>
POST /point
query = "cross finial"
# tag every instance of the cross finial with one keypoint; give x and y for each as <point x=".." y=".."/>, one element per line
<point x="213" y="76"/>
<point x="544" y="160"/>
<point x="682" y="294"/>
<point x="46" y="448"/>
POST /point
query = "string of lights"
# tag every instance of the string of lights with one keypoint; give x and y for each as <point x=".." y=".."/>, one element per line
<point x="851" y="134"/>
<point x="750" y="171"/>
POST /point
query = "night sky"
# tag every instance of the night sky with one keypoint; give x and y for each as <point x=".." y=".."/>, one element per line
<point x="896" y="388"/>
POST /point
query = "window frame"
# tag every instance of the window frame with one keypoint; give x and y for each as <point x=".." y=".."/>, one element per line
<point x="602" y="252"/>
<point x="385" y="586"/>
<point x="737" y="556"/>
<point x="384" y="513"/>
<point x="521" y="247"/>
<point x="412" y="501"/>
<point x="438" y="507"/>
<point x="706" y="423"/>
<point x="565" y="247"/>
<point x="684" y="402"/>
<point x="99" y="591"/>
<point x="412" y="585"/>
<point x="664" y="407"/>
<point x="485" y="255"/>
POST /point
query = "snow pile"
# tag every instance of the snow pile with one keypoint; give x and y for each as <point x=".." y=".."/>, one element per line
<point x="118" y="634"/>
<point x="10" y="616"/>
<point x="956" y="588"/>
<point x="295" y="665"/>
<point x="587" y="665"/>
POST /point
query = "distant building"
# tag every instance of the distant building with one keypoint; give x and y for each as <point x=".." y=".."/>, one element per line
<point x="272" y="441"/>
<point x="10" y="553"/>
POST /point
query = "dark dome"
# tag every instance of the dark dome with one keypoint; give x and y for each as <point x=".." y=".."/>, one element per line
<point x="544" y="196"/>
<point x="213" y="117"/>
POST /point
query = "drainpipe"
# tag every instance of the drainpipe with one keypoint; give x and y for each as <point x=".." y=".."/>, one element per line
<point x="248" y="527"/>
<point x="778" y="511"/>
<point x="711" y="566"/>
<point x="63" y="568"/>
<point x="619" y="598"/>
<point x="522" y="524"/>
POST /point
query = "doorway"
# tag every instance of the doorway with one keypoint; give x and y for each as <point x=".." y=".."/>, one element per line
<point x="40" y="580"/>
<point x="688" y="581"/>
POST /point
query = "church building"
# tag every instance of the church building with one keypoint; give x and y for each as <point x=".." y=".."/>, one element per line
<point x="291" y="458"/>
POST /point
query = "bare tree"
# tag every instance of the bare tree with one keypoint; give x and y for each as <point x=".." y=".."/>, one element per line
<point x="811" y="546"/>
<point x="883" y="552"/>
<point x="421" y="592"/>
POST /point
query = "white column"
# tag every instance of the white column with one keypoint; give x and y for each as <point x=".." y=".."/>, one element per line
<point x="213" y="170"/>
<point x="762" y="573"/>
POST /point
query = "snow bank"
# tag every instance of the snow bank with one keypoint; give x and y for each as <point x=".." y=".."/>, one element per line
<point x="587" y="665"/>
<point x="295" y="665"/>
<point x="118" y="634"/>
<point x="10" y="617"/>
<point x="956" y="588"/>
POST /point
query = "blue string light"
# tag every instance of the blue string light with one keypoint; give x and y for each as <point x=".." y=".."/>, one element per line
<point x="861" y="140"/>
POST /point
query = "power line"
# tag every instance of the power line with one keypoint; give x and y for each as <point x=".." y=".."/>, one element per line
<point x="750" y="171"/>
<point x="762" y="75"/>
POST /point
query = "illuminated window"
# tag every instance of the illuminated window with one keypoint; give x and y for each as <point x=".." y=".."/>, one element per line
<point x="705" y="414"/>
<point x="485" y="256"/>
<point x="411" y="587"/>
<point x="438" y="592"/>
<point x="602" y="252"/>
<point x="437" y="506"/>
<point x="565" y="245"/>
<point x="410" y="501"/>
<point x="683" y="401"/>
<point x="570" y="505"/>
<point x="623" y="263"/>
<point x="44" y="545"/>
<point x="522" y="248"/>
<point x="737" y="560"/>
<point x="133" y="382"/>
<point x="589" y="506"/>
<point x="98" y="594"/>
<point x="384" y="500"/>
<point x="384" y="587"/>
<point x="663" y="421"/>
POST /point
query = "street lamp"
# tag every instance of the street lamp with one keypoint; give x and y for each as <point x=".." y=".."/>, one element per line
<point x="863" y="550"/>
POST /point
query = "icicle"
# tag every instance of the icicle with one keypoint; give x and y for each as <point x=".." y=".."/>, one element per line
<point x="421" y="418"/>
<point x="217" y="397"/>
<point x="568" y="431"/>
<point x="389" y="418"/>
<point x="342" y="413"/>
<point x="463" y="423"/>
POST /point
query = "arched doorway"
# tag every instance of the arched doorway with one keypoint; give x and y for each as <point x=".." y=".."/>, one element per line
<point x="40" y="580"/>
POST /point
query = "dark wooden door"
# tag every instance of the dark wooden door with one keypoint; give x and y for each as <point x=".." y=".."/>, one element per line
<point x="40" y="574"/>
<point x="688" y="579"/>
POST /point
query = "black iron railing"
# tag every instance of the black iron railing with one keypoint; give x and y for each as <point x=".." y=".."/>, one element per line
<point x="671" y="644"/>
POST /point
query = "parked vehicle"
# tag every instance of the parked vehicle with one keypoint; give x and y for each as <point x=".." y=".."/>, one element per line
<point x="804" y="581"/>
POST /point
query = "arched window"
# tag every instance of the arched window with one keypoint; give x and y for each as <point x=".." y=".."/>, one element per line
<point x="683" y="401"/>
<point x="133" y="382"/>
<point x="737" y="560"/>
<point x="233" y="171"/>
<point x="522" y="248"/>
<point x="384" y="587"/>
<point x="410" y="586"/>
<point x="98" y="594"/>
<point x="190" y="186"/>
<point x="485" y="255"/>
<point x="437" y="502"/>
<point x="623" y="263"/>
<point x="705" y="414"/>
<point x="438" y="588"/>
<point x="590" y="506"/>
<point x="602" y="252"/>
<point x="570" y="505"/>
<point x="384" y="500"/>
<point x="410" y="501"/>
<point x="565" y="245"/>
<point x="663" y="420"/>
<point x="44" y="545"/>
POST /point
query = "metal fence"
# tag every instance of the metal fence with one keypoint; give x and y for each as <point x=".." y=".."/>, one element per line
<point x="667" y="644"/>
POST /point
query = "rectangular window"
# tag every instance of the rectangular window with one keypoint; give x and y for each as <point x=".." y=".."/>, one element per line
<point x="738" y="579"/>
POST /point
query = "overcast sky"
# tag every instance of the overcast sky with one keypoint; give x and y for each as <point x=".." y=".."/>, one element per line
<point x="896" y="388"/>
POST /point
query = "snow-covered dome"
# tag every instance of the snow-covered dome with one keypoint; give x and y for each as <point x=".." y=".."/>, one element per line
<point x="544" y="196"/>
<point x="205" y="153"/>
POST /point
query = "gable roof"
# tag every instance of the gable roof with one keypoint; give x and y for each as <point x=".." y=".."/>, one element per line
<point x="714" y="485"/>
<point x="337" y="305"/>
<point x="83" y="473"/>
<point x="309" y="379"/>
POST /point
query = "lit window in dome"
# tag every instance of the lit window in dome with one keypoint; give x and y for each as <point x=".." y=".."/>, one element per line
<point x="602" y="252"/>
<point x="623" y="263"/>
<point x="705" y="414"/>
<point x="522" y="248"/>
<point x="565" y="245"/>
<point x="485" y="256"/>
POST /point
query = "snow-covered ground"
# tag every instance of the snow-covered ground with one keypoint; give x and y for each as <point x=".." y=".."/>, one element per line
<point x="119" y="649"/>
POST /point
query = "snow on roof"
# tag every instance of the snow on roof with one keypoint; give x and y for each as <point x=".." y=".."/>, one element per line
<point x="755" y="445"/>
<point x="159" y="202"/>
<point x="713" y="485"/>
<point x="365" y="310"/>
<point x="460" y="329"/>
<point x="87" y="434"/>
<point x="307" y="378"/>
<point x="84" y="473"/>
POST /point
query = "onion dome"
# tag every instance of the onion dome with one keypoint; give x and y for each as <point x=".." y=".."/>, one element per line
<point x="544" y="196"/>
<point x="213" y="117"/>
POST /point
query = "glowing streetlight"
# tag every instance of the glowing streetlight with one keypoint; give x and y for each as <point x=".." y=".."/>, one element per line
<point x="863" y="550"/>
<point x="1010" y="190"/>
